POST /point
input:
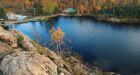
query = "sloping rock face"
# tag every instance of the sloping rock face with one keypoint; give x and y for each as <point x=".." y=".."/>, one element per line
<point x="63" y="67"/>
<point x="19" y="55"/>
<point x="77" y="67"/>
<point x="27" y="63"/>
<point x="23" y="40"/>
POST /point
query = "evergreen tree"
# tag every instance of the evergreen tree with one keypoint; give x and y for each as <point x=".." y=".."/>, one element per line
<point x="2" y="14"/>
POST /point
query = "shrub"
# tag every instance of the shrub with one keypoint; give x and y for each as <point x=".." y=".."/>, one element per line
<point x="57" y="36"/>
<point x="20" y="39"/>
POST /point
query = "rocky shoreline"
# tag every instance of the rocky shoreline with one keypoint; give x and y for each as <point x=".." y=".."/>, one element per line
<point x="103" y="18"/>
<point x="32" y="19"/>
<point x="117" y="20"/>
<point x="110" y="19"/>
<point x="19" y="55"/>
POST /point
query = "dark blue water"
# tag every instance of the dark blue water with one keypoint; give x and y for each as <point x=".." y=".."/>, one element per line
<point x="114" y="47"/>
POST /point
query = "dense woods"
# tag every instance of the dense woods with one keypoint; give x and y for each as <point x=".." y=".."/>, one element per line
<point x="120" y="8"/>
<point x="2" y="13"/>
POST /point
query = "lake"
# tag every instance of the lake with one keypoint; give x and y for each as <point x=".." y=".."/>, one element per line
<point x="115" y="47"/>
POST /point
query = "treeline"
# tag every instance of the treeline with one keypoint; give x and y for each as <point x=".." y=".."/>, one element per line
<point x="127" y="11"/>
<point x="2" y="14"/>
<point x="122" y="11"/>
<point x="120" y="8"/>
<point x="30" y="7"/>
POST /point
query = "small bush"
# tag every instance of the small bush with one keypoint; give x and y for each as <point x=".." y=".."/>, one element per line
<point x="20" y="39"/>
<point x="57" y="36"/>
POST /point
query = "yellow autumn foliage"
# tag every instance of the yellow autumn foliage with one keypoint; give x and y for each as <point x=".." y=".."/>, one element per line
<point x="98" y="8"/>
<point x="57" y="35"/>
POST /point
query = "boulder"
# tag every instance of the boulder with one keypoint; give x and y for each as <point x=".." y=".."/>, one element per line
<point x="27" y="63"/>
<point x="77" y="67"/>
<point x="62" y="65"/>
<point x="63" y="71"/>
<point x="115" y="20"/>
<point x="57" y="59"/>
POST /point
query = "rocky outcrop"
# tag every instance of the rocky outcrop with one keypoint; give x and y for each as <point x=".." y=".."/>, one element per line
<point x="27" y="63"/>
<point x="19" y="55"/>
<point x="63" y="67"/>
<point x="23" y="40"/>
<point x="5" y="50"/>
<point x="7" y="36"/>
<point x="114" y="20"/>
<point x="118" y="20"/>
<point x="77" y="67"/>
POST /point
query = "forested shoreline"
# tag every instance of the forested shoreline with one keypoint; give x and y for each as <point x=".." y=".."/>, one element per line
<point x="115" y="11"/>
<point x="118" y="8"/>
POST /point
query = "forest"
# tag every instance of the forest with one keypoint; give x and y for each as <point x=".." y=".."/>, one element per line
<point x="119" y="8"/>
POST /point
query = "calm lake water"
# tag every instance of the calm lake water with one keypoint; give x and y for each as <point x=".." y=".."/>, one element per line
<point x="114" y="47"/>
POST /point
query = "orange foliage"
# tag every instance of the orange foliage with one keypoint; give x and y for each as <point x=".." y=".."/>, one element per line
<point x="98" y="8"/>
<point x="82" y="9"/>
<point x="112" y="1"/>
<point x="57" y="35"/>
